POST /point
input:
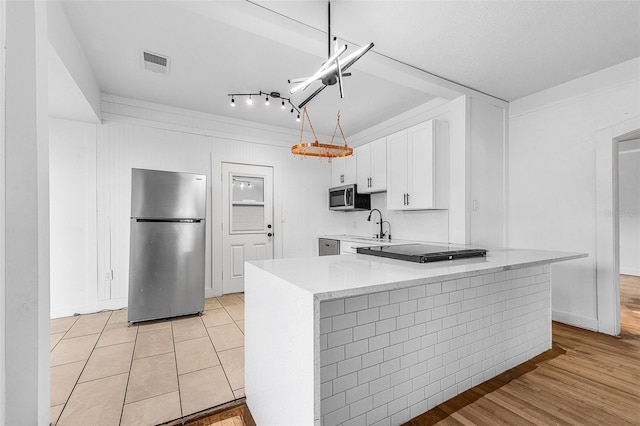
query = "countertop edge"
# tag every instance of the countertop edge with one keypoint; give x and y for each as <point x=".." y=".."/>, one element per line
<point x="445" y="277"/>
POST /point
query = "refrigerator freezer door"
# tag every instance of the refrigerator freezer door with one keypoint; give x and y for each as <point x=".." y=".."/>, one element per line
<point x="167" y="195"/>
<point x="166" y="272"/>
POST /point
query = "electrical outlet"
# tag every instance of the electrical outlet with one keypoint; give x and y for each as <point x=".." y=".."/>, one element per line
<point x="476" y="205"/>
<point x="108" y="275"/>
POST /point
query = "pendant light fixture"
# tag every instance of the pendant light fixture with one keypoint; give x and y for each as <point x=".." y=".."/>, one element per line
<point x="317" y="149"/>
<point x="332" y="71"/>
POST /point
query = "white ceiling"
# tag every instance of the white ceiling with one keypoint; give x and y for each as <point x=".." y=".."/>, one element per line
<point x="506" y="49"/>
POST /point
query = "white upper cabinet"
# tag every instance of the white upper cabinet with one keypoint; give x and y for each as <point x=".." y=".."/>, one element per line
<point x="371" y="166"/>
<point x="343" y="170"/>
<point x="418" y="167"/>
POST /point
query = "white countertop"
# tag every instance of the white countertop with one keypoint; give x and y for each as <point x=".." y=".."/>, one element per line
<point x="331" y="277"/>
<point x="370" y="240"/>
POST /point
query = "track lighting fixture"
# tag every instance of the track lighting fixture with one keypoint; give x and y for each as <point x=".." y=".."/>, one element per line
<point x="267" y="95"/>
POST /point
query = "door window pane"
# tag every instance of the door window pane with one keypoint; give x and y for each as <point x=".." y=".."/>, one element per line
<point x="247" y="189"/>
<point x="247" y="204"/>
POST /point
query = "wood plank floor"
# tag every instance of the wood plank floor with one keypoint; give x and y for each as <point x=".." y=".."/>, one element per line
<point x="629" y="305"/>
<point x="587" y="378"/>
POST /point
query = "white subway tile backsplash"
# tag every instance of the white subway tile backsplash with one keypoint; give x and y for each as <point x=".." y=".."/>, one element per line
<point x="399" y="336"/>
<point x="397" y="405"/>
<point x="391" y="366"/>
<point x="361" y="407"/>
<point x="378" y="299"/>
<point x="356" y="303"/>
<point x="417" y="292"/>
<point x="408" y="307"/>
<point x="389" y="311"/>
<point x="361" y="420"/>
<point x="425" y="303"/>
<point x="400" y="295"/>
<point x="409" y="360"/>
<point x="331" y="356"/>
<point x="379" y="342"/>
<point x="417" y="330"/>
<point x="326" y="389"/>
<point x="357" y="393"/>
<point x="378" y="414"/>
<point x="342" y="383"/>
<point x="340" y="338"/>
<point x="340" y="322"/>
<point x="383" y="398"/>
<point x="462" y="283"/>
<point x="368" y="374"/>
<point x="389" y="356"/>
<point x="368" y="315"/>
<point x="400" y="417"/>
<point x="372" y="358"/>
<point x="332" y="308"/>
<point x="349" y="366"/>
<point x="393" y="351"/>
<point x="385" y="326"/>
<point x="336" y="418"/>
<point x="364" y="331"/>
<point x="334" y="403"/>
<point x="422" y="316"/>
<point x="439" y="312"/>
<point x="380" y="385"/>
<point x="405" y="321"/>
<point x="356" y="348"/>
<point x="434" y="289"/>
<point x="449" y="286"/>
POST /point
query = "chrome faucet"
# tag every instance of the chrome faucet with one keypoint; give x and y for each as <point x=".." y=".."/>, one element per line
<point x="381" y="234"/>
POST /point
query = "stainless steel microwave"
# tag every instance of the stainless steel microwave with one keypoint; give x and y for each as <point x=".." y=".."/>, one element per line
<point x="347" y="198"/>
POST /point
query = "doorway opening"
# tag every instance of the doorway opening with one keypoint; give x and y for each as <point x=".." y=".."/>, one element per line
<point x="628" y="215"/>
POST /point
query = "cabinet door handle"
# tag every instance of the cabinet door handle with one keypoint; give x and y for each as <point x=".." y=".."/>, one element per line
<point x="407" y="199"/>
<point x="404" y="199"/>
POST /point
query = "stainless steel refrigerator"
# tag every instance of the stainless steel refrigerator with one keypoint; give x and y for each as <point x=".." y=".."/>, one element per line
<point x="166" y="258"/>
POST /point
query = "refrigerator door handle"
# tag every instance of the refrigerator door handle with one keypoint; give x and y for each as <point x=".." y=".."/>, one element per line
<point x="170" y="220"/>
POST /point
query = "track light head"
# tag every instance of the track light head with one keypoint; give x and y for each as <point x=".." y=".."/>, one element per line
<point x="233" y="102"/>
<point x="266" y="101"/>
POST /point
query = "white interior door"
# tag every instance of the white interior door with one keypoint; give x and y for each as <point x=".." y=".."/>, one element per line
<point x="247" y="224"/>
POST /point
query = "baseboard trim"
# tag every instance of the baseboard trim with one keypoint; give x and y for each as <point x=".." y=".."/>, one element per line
<point x="588" y="323"/>
<point x="630" y="271"/>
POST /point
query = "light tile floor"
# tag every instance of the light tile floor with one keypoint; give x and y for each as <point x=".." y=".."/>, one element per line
<point x="107" y="372"/>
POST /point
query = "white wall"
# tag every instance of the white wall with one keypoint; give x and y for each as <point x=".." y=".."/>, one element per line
<point x="84" y="98"/>
<point x="551" y="195"/>
<point x="629" y="202"/>
<point x="90" y="187"/>
<point x="72" y="176"/>
<point x="26" y="217"/>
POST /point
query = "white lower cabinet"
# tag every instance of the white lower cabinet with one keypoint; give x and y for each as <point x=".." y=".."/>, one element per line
<point x="418" y="167"/>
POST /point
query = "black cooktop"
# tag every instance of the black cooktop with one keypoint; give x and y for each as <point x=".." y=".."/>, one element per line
<point x="422" y="253"/>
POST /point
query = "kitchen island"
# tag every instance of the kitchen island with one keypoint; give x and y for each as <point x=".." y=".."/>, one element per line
<point x="357" y="339"/>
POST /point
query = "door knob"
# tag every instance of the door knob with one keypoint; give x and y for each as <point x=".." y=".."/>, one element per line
<point x="269" y="234"/>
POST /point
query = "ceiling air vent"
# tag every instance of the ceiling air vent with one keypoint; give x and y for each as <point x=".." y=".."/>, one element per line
<point x="156" y="63"/>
